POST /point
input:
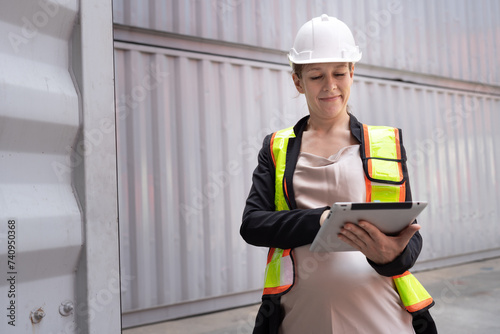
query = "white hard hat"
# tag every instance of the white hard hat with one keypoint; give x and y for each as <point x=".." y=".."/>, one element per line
<point x="324" y="39"/>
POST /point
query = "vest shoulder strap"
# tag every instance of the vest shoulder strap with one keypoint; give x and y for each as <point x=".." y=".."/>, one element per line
<point x="383" y="160"/>
<point x="279" y="146"/>
<point x="280" y="271"/>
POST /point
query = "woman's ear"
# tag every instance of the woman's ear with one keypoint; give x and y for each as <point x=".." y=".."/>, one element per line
<point x="298" y="83"/>
<point x="351" y="73"/>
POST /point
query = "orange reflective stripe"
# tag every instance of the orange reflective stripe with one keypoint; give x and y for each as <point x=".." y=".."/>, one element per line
<point x="368" y="186"/>
<point x="367" y="149"/>
<point x="402" y="192"/>
<point x="276" y="290"/>
<point x="367" y="140"/>
<point x="368" y="183"/>
<point x="419" y="306"/>
<point x="286" y="190"/>
<point x="272" y="151"/>
<point x="270" y="254"/>
<point x="406" y="273"/>
<point x="398" y="144"/>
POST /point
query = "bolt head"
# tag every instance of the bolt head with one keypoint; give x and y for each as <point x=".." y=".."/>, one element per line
<point x="66" y="308"/>
<point x="37" y="315"/>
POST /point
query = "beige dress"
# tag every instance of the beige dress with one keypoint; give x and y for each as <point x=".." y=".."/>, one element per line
<point x="337" y="292"/>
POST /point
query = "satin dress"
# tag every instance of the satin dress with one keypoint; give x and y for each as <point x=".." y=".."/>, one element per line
<point x="337" y="292"/>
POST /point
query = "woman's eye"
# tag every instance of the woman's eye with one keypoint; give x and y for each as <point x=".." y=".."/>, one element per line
<point x="316" y="78"/>
<point x="339" y="74"/>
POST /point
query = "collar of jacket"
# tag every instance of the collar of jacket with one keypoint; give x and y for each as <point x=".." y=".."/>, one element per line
<point x="294" y="149"/>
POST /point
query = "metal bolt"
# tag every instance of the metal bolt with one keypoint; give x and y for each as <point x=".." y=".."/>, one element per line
<point x="37" y="315"/>
<point x="66" y="308"/>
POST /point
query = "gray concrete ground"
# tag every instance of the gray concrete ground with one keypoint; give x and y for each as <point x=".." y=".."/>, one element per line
<point x="467" y="300"/>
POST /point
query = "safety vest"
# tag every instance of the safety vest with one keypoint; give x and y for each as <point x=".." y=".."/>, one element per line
<point x="385" y="182"/>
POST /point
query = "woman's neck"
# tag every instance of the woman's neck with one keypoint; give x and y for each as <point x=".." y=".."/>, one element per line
<point x="325" y="126"/>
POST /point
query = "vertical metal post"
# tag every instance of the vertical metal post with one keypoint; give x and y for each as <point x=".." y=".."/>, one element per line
<point x="98" y="274"/>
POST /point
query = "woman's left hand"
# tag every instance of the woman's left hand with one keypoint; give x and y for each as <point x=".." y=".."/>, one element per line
<point x="374" y="244"/>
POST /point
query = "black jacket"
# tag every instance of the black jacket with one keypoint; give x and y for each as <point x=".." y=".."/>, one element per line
<point x="263" y="226"/>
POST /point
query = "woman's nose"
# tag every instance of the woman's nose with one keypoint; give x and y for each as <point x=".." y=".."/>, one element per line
<point x="330" y="84"/>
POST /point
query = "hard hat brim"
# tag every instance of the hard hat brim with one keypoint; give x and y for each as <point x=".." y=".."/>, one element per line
<point x="324" y="60"/>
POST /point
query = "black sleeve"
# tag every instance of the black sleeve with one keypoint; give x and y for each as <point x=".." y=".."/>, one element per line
<point x="404" y="261"/>
<point x="262" y="225"/>
<point x="410" y="254"/>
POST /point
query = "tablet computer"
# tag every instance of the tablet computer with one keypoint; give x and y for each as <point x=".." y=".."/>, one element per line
<point x="389" y="217"/>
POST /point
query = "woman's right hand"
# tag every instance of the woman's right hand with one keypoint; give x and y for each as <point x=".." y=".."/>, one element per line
<point x="376" y="246"/>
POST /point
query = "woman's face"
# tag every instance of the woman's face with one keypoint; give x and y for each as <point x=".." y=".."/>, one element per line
<point x="327" y="87"/>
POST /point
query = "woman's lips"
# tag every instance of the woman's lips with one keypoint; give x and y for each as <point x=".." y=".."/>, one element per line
<point x="330" y="98"/>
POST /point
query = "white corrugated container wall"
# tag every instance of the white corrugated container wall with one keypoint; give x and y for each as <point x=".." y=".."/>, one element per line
<point x="452" y="161"/>
<point x="189" y="130"/>
<point x="58" y="189"/>
<point x="200" y="83"/>
<point x="414" y="36"/>
<point x="38" y="119"/>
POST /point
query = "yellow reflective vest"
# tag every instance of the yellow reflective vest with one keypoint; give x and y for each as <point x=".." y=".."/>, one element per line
<point x="381" y="151"/>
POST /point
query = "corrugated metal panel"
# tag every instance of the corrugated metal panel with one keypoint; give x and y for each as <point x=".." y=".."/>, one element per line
<point x="58" y="193"/>
<point x="189" y="130"/>
<point x="453" y="159"/>
<point x="40" y="230"/>
<point x="454" y="39"/>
